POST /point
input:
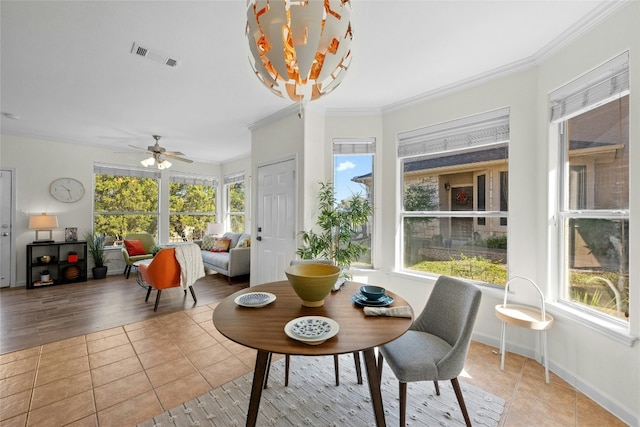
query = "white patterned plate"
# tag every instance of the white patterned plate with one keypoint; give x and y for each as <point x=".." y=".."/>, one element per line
<point x="312" y="330"/>
<point x="255" y="299"/>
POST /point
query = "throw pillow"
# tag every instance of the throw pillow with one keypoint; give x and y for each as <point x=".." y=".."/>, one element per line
<point x="221" y="245"/>
<point x="244" y="243"/>
<point x="135" y="247"/>
<point x="208" y="242"/>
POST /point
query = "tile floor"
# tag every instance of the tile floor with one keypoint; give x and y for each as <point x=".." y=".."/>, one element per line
<point x="128" y="374"/>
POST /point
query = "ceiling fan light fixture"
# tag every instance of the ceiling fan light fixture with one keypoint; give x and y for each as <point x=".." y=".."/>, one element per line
<point x="300" y="49"/>
<point x="148" y="162"/>
<point x="164" y="164"/>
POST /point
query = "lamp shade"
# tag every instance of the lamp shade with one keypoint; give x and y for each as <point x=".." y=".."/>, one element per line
<point x="43" y="222"/>
<point x="215" y="228"/>
<point x="301" y="49"/>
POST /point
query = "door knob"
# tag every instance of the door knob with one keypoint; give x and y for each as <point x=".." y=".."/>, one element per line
<point x="5" y="234"/>
<point x="259" y="238"/>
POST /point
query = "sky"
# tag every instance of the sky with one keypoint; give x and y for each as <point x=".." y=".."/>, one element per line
<point x="345" y="168"/>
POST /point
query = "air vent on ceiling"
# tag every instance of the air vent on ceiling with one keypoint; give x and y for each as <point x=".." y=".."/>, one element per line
<point x="144" y="52"/>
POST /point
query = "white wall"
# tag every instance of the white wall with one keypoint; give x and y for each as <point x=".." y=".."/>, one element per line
<point x="604" y="368"/>
<point x="38" y="162"/>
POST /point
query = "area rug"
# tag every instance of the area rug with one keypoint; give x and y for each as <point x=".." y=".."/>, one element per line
<point x="313" y="399"/>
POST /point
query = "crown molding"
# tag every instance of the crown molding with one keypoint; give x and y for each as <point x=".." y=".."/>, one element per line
<point x="603" y="11"/>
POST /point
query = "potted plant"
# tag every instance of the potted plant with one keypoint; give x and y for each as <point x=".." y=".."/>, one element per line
<point x="95" y="246"/>
<point x="45" y="276"/>
<point x="72" y="256"/>
<point x="337" y="226"/>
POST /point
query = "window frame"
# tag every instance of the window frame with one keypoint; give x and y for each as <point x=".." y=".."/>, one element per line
<point x="192" y="179"/>
<point x="600" y="86"/>
<point x="229" y="181"/>
<point x="130" y="172"/>
<point x="359" y="146"/>
<point x="467" y="134"/>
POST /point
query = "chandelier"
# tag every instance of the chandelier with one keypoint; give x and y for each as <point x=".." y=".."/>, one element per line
<point x="300" y="48"/>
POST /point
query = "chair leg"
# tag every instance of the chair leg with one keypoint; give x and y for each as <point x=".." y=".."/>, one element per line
<point x="380" y="363"/>
<point x="286" y="370"/>
<point x="356" y="360"/>
<point x="463" y="407"/>
<point x="148" y="293"/>
<point x="193" y="294"/>
<point x="336" y="368"/>
<point x="437" y="387"/>
<point x="155" y="307"/>
<point x="127" y="270"/>
<point x="266" y="375"/>
<point x="403" y="403"/>
<point x="503" y="333"/>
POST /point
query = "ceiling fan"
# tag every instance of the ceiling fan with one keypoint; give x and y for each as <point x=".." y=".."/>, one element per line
<point x="158" y="155"/>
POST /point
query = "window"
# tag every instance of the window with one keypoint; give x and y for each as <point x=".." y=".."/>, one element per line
<point x="593" y="117"/>
<point x="353" y="177"/>
<point x="234" y="186"/>
<point x="455" y="198"/>
<point x="192" y="204"/>
<point x="125" y="200"/>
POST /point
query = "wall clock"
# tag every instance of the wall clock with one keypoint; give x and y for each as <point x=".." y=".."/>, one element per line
<point x="67" y="190"/>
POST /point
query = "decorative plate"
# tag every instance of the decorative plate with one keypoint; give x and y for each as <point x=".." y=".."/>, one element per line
<point x="311" y="327"/>
<point x="255" y="299"/>
<point x="362" y="301"/>
<point x="312" y="330"/>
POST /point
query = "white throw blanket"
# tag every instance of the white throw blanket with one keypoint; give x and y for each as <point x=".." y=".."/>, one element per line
<point x="191" y="266"/>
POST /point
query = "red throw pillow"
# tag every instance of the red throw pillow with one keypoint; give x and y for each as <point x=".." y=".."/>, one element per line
<point x="221" y="245"/>
<point x="135" y="247"/>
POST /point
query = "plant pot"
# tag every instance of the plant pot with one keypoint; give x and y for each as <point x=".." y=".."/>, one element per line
<point x="45" y="277"/>
<point x="99" y="272"/>
<point x="72" y="258"/>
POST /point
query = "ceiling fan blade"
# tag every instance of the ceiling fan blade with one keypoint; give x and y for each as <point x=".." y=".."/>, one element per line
<point x="182" y="159"/>
<point x="138" y="148"/>
<point x="172" y="153"/>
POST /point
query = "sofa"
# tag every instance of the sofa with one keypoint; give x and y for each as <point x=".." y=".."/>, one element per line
<point x="232" y="262"/>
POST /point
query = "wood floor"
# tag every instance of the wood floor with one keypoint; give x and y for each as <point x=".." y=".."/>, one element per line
<point x="95" y="354"/>
<point x="31" y="317"/>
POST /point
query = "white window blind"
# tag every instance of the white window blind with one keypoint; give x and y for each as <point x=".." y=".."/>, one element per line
<point x="194" y="180"/>
<point x="465" y="134"/>
<point x="354" y="145"/>
<point x="229" y="179"/>
<point x="104" y="169"/>
<point x="606" y="83"/>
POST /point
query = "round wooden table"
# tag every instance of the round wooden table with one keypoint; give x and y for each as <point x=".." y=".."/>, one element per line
<point x="263" y="329"/>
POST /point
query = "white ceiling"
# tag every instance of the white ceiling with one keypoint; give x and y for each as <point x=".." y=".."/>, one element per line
<point x="67" y="71"/>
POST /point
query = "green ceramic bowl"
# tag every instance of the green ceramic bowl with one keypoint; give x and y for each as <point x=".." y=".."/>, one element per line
<point x="312" y="282"/>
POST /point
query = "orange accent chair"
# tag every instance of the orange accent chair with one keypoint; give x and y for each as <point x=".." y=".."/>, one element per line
<point x="163" y="273"/>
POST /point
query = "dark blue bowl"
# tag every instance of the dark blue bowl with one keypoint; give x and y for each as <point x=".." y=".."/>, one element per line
<point x="372" y="293"/>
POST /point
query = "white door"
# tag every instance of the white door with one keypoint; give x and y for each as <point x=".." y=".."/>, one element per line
<point x="275" y="232"/>
<point x="6" y="225"/>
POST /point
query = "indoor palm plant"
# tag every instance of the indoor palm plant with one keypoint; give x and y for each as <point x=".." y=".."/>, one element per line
<point x="95" y="246"/>
<point x="337" y="225"/>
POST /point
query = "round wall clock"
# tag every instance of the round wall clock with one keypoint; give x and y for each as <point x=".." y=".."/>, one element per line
<point x="67" y="190"/>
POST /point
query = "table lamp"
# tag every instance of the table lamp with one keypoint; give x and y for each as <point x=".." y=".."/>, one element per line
<point x="43" y="223"/>
<point x="215" y="228"/>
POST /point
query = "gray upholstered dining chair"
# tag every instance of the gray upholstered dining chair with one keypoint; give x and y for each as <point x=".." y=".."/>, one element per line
<point x="435" y="346"/>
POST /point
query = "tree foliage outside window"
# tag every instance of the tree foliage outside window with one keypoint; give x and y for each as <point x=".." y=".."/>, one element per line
<point x="125" y="204"/>
<point x="191" y="207"/>
<point x="235" y="206"/>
